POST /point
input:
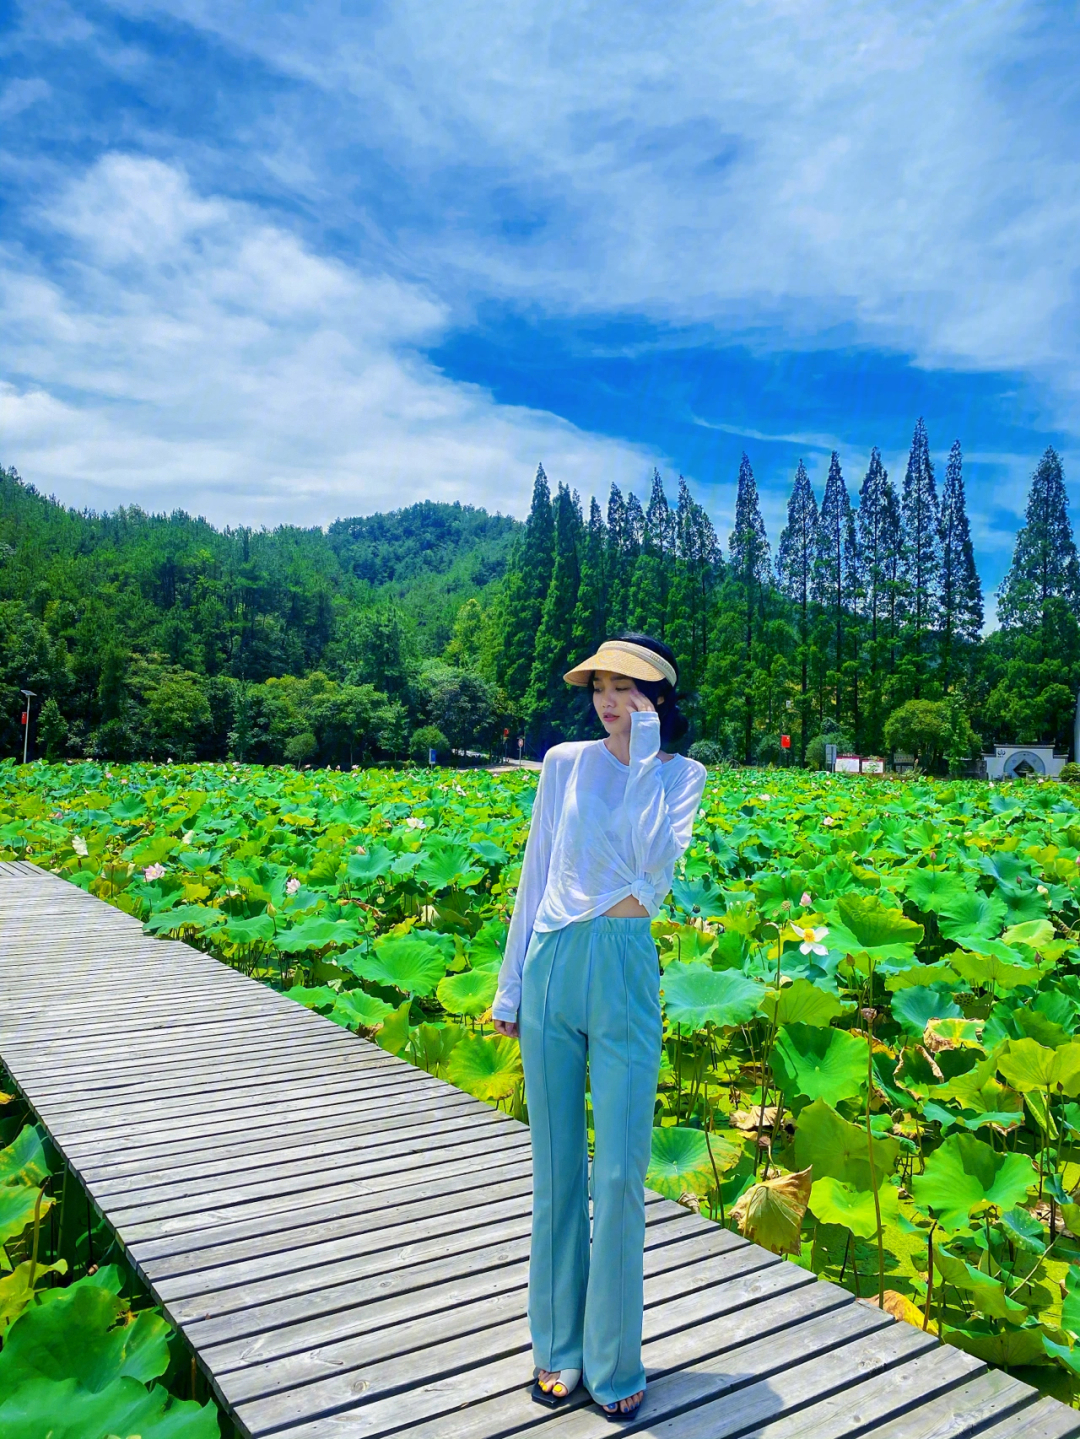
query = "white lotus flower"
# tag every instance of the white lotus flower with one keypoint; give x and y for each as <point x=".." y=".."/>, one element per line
<point x="811" y="941"/>
<point x="78" y="844"/>
<point x="153" y="871"/>
<point x="414" y="823"/>
<point x="291" y="886"/>
<point x="828" y="821"/>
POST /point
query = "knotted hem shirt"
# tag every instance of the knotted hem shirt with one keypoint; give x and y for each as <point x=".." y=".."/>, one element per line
<point x="601" y="831"/>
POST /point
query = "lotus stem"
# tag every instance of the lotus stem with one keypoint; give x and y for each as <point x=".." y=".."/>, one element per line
<point x="37" y="1236"/>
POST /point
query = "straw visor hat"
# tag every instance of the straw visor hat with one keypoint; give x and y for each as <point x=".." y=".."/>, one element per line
<point x="623" y="657"/>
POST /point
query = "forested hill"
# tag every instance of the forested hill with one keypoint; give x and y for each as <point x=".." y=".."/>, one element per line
<point x="441" y="626"/>
<point x="97" y="610"/>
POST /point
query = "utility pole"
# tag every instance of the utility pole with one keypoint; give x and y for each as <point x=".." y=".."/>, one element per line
<point x="30" y="695"/>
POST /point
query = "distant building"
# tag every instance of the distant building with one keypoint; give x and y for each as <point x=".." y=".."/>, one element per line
<point x="1013" y="761"/>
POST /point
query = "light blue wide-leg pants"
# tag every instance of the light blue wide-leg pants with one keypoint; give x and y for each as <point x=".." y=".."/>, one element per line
<point x="590" y="992"/>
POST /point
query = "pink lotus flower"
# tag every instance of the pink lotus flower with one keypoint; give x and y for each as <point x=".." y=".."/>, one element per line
<point x="153" y="871"/>
<point x="291" y="886"/>
<point x="805" y="899"/>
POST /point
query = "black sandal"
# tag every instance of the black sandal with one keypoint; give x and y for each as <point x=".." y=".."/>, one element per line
<point x="552" y="1400"/>
<point x="620" y="1416"/>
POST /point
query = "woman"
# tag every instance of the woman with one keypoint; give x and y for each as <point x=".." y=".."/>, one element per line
<point x="580" y="978"/>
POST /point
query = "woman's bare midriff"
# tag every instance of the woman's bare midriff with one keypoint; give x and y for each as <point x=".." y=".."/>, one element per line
<point x="628" y="908"/>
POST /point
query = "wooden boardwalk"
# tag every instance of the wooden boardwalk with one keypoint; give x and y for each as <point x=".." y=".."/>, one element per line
<point x="344" y="1240"/>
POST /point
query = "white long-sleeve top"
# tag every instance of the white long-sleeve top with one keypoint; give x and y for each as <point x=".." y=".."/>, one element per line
<point x="601" y="830"/>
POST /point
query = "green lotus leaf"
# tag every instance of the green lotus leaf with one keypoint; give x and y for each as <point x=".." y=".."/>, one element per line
<point x="827" y="1064"/>
<point x="315" y="933"/>
<point x="366" y="868"/>
<point x="987" y="1294"/>
<point x="356" y="1009"/>
<point x="15" y="1292"/>
<point x="802" y="1002"/>
<point x="487" y="946"/>
<point x="1028" y="1065"/>
<point x="492" y="854"/>
<point x="680" y="1162"/>
<point x="257" y="930"/>
<point x="350" y="811"/>
<point x="17" y="1202"/>
<point x="964" y="1175"/>
<point x="1035" y="933"/>
<point x="1006" y="1347"/>
<point x="698" y="895"/>
<point x="695" y="995"/>
<point x="431" y="1045"/>
<point x="875" y="926"/>
<point x="992" y="969"/>
<point x="63" y="1410"/>
<point x="1024" y="1231"/>
<point x="394" y="1033"/>
<point x="78" y="1333"/>
<point x="442" y="865"/>
<point x="489" y="1069"/>
<point x="318" y="997"/>
<point x="470" y="993"/>
<point x="935" y="890"/>
<point x="915" y="1007"/>
<point x="835" y="1148"/>
<point x="834" y="1202"/>
<point x="414" y="966"/>
<point x="977" y="915"/>
<point x="1070" y="1357"/>
<point x="23" y="1161"/>
<point x="1070" y="1305"/>
<point x="978" y="1089"/>
<point x="199" y="917"/>
<point x="688" y="944"/>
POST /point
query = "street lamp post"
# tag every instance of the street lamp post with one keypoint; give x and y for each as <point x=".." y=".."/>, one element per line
<point x="30" y="695"/>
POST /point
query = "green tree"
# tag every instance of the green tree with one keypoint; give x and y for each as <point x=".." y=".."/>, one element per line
<point x="1044" y="564"/>
<point x="879" y="549"/>
<point x="795" y="571"/>
<point x="925" y="728"/>
<point x="547" y="702"/>
<point x="921" y="558"/>
<point x="589" y="627"/>
<point x="528" y="577"/>
<point x="961" y="603"/>
<point x="751" y="573"/>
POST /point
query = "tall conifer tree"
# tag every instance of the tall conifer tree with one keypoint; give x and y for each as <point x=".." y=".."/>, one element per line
<point x="547" y="704"/>
<point x="961" y="602"/>
<point x="696" y="568"/>
<point x="528" y="575"/>
<point x="834" y="575"/>
<point x="622" y="551"/>
<point x="921" y="566"/>
<point x="879" y="538"/>
<point x="590" y="612"/>
<point x="795" y="569"/>
<point x="751" y="569"/>
<point x="1044" y="565"/>
<point x="652" y="569"/>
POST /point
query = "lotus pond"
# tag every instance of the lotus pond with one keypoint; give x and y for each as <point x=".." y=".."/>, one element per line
<point x="871" y="992"/>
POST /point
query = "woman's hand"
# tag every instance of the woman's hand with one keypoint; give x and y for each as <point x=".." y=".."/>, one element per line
<point x="506" y="1027"/>
<point x="635" y="700"/>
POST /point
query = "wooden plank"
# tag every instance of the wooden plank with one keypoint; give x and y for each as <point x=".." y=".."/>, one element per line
<point x="1046" y="1419"/>
<point x="439" y="1381"/>
<point x="964" y="1410"/>
<point x="344" y="1239"/>
<point x="380" y="1303"/>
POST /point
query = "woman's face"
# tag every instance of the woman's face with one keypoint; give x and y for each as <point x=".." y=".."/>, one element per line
<point x="615" y="698"/>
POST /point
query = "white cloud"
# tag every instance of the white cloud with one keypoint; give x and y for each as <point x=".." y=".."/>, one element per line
<point x="813" y="172"/>
<point x="188" y="353"/>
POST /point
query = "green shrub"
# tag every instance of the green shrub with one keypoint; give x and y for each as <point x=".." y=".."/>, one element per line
<point x="706" y="752"/>
<point x="1070" y="773"/>
<point x="428" y="737"/>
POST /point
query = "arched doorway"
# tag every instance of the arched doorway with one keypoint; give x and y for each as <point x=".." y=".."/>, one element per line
<point x="1022" y="762"/>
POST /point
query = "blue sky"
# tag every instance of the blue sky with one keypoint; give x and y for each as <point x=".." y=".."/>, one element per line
<point x="285" y="262"/>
